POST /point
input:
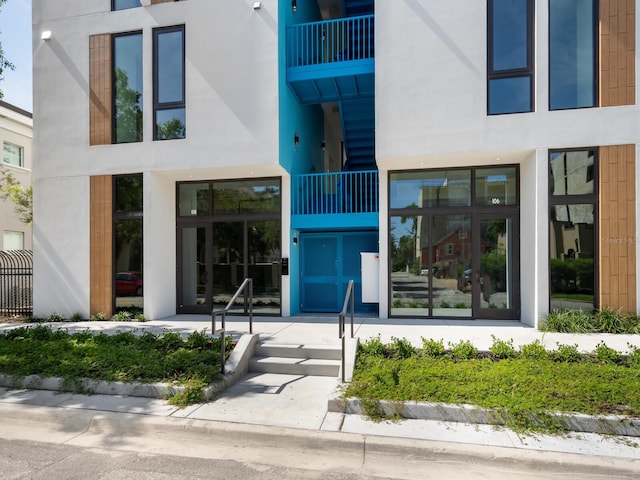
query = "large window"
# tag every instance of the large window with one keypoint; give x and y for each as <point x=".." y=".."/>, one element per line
<point x="127" y="228"/>
<point x="572" y="53"/>
<point x="572" y="233"/>
<point x="127" y="88"/>
<point x="13" y="154"/>
<point x="169" y="83"/>
<point x="510" y="56"/>
<point x="123" y="4"/>
<point x="13" y="240"/>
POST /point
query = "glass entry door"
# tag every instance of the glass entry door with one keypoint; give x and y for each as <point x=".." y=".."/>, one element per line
<point x="496" y="274"/>
<point x="215" y="259"/>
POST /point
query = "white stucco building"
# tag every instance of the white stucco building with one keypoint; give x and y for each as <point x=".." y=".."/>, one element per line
<point x="486" y="150"/>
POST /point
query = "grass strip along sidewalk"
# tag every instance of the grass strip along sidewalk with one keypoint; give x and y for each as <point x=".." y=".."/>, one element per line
<point x="516" y="383"/>
<point x="123" y="357"/>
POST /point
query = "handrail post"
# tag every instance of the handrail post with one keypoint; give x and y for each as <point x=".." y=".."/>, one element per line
<point x="223" y="350"/>
<point x="251" y="306"/>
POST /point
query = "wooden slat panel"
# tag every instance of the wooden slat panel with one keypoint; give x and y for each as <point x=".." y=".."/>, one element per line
<point x="617" y="78"/>
<point x="100" y="89"/>
<point x="101" y="245"/>
<point x="617" y="228"/>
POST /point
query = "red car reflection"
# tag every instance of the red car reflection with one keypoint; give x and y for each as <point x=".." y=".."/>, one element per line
<point x="128" y="283"/>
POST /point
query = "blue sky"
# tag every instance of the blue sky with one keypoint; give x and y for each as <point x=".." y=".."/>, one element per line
<point x="15" y="36"/>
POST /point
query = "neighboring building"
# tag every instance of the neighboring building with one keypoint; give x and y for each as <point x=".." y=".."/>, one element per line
<point x="486" y="149"/>
<point x="16" y="135"/>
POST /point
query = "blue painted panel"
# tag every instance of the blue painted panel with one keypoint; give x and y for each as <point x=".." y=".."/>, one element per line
<point x="337" y="221"/>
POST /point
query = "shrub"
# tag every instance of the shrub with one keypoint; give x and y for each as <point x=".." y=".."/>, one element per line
<point x="566" y="353"/>
<point x="122" y="316"/>
<point x="433" y="348"/>
<point x="634" y="355"/>
<point x="567" y="321"/>
<point x="76" y="317"/>
<point x="502" y="348"/>
<point x="609" y="321"/>
<point x="97" y="317"/>
<point x="401" y="348"/>
<point x="139" y="317"/>
<point x="373" y="348"/>
<point x="606" y="354"/>
<point x="463" y="350"/>
<point x="55" y="317"/>
<point x="534" y="351"/>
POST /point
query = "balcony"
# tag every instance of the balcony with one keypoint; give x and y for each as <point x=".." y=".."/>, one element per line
<point x="331" y="61"/>
<point x="335" y="200"/>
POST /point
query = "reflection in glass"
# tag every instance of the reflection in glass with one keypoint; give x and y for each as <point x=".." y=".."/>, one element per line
<point x="264" y="265"/>
<point x="170" y="124"/>
<point x="194" y="266"/>
<point x="496" y="186"/>
<point x="495" y="263"/>
<point x="510" y="95"/>
<point x="449" y="259"/>
<point x="228" y="265"/>
<point x="430" y="189"/>
<point x="572" y="172"/>
<point x="170" y="66"/>
<point x="123" y="4"/>
<point x="127" y="88"/>
<point x="249" y="196"/>
<point x="572" y="54"/>
<point x="128" y="193"/>
<point x="572" y="247"/>
<point x="193" y="199"/>
<point x="510" y="35"/>
<point x="128" y="263"/>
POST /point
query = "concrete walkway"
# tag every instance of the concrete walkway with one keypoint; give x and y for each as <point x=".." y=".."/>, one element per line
<point x="298" y="402"/>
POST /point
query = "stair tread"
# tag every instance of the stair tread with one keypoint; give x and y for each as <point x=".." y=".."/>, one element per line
<point x="295" y="361"/>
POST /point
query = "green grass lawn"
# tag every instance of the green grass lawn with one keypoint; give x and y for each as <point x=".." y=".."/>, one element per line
<point x="517" y="384"/>
<point x="124" y="357"/>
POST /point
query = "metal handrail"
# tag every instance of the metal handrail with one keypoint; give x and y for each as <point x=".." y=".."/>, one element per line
<point x="248" y="282"/>
<point x="348" y="299"/>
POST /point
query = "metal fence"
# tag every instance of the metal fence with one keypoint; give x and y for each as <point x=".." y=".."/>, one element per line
<point x="16" y="282"/>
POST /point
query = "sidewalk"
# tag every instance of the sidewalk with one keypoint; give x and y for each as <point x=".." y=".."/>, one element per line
<point x="295" y="402"/>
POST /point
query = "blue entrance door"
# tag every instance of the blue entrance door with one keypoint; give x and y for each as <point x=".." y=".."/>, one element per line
<point x="329" y="261"/>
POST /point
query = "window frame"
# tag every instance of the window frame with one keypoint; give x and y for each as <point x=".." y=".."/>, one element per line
<point x="114" y="9"/>
<point x="524" y="72"/>
<point x="114" y="37"/>
<point x="20" y="154"/>
<point x="577" y="199"/>
<point x="160" y="106"/>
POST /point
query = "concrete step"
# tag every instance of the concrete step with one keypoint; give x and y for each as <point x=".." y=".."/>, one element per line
<point x="324" y="352"/>
<point x="295" y="366"/>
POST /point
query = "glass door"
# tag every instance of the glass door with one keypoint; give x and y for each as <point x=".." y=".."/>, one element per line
<point x="496" y="274"/>
<point x="194" y="289"/>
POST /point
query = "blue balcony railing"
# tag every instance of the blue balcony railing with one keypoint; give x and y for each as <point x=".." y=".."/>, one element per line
<point x="331" y="41"/>
<point x="335" y="193"/>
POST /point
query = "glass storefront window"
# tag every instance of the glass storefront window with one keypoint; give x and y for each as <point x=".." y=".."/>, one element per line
<point x="496" y="186"/>
<point x="248" y="196"/>
<point x="572" y="251"/>
<point x="127" y="88"/>
<point x="439" y="188"/>
<point x="193" y="199"/>
<point x="572" y="172"/>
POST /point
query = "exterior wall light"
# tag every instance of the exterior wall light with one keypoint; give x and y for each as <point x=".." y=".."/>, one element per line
<point x="296" y="139"/>
<point x="323" y="145"/>
<point x="257" y="5"/>
<point x="46" y="35"/>
<point x="294" y="5"/>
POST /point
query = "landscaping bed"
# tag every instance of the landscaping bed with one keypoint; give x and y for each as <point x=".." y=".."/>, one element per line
<point x="525" y="387"/>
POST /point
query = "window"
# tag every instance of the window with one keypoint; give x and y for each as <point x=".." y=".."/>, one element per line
<point x="13" y="241"/>
<point x="572" y="232"/>
<point x="572" y="53"/>
<point x="128" y="246"/>
<point x="510" y="56"/>
<point x="169" y="82"/>
<point x="13" y="154"/>
<point x="123" y="4"/>
<point x="127" y="88"/>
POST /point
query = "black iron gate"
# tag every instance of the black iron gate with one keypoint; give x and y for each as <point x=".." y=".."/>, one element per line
<point x="16" y="282"/>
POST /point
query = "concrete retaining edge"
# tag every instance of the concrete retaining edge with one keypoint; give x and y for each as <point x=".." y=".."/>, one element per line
<point x="605" y="424"/>
<point x="237" y="365"/>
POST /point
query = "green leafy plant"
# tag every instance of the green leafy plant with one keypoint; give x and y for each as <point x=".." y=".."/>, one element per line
<point x="606" y="354"/>
<point x="433" y="348"/>
<point x="76" y="317"/>
<point x="97" y="317"/>
<point x="566" y="353"/>
<point x="139" y="317"/>
<point x="192" y="394"/>
<point x="55" y="317"/>
<point x="533" y="351"/>
<point x="401" y="348"/>
<point x="463" y="350"/>
<point x="502" y="348"/>
<point x="122" y="316"/>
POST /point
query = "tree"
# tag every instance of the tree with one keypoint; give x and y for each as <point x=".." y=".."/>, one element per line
<point x="128" y="111"/>
<point x="173" y="128"/>
<point x="4" y="63"/>
<point x="22" y="198"/>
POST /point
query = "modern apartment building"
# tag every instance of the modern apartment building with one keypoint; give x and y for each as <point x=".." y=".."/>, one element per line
<point x="16" y="135"/>
<point x="481" y="154"/>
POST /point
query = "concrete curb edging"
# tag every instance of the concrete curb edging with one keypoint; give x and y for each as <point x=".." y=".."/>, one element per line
<point x="606" y="424"/>
<point x="237" y="365"/>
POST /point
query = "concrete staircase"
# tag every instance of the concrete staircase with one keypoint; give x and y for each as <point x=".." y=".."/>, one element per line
<point x="314" y="360"/>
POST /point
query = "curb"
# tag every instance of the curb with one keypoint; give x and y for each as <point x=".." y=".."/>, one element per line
<point x="300" y="442"/>
<point x="605" y="425"/>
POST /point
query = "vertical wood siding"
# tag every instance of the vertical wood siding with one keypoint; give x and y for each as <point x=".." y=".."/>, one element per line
<point x="101" y="240"/>
<point x="617" y="225"/>
<point x="100" y="89"/>
<point x="617" y="52"/>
